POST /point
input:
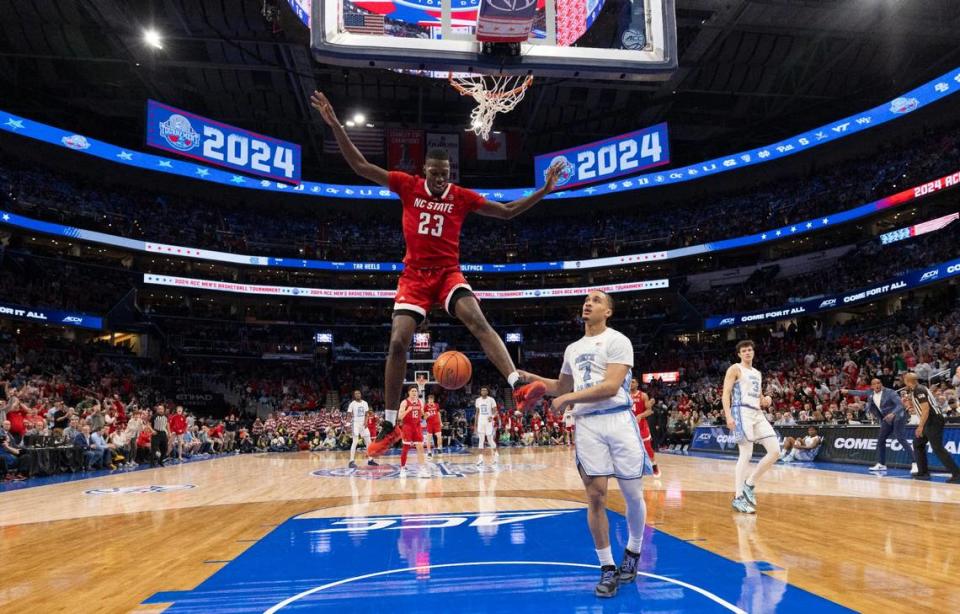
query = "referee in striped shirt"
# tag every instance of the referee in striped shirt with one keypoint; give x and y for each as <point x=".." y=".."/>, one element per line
<point x="930" y="429"/>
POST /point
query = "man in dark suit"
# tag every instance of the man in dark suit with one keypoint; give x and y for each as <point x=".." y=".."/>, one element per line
<point x="885" y="404"/>
<point x="93" y="458"/>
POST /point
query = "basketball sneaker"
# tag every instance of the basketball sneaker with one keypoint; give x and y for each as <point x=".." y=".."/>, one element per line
<point x="743" y="506"/>
<point x="403" y="472"/>
<point x="352" y="465"/>
<point x="913" y="469"/>
<point x="628" y="567"/>
<point x="750" y="494"/>
<point x="372" y="463"/>
<point x="526" y="396"/>
<point x="878" y="467"/>
<point x="608" y="584"/>
<point x="656" y="471"/>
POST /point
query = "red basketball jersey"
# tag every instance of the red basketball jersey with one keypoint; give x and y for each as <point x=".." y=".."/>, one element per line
<point x="433" y="411"/>
<point x="431" y="224"/>
<point x="414" y="410"/>
<point x="639" y="405"/>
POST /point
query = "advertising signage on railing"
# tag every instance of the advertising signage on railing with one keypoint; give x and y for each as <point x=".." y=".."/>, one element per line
<point x="187" y="134"/>
<point x="346" y="293"/>
<point x="608" y="159"/>
<point x="907" y="281"/>
<point x="937" y="89"/>
<point x="54" y="317"/>
<point x="908" y="195"/>
<point x="919" y="229"/>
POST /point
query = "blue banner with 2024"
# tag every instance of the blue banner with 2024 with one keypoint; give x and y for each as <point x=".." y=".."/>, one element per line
<point x="928" y="93"/>
<point x="193" y="136"/>
<point x="608" y="159"/>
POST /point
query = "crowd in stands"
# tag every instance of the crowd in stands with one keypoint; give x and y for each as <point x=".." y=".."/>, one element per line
<point x="309" y="232"/>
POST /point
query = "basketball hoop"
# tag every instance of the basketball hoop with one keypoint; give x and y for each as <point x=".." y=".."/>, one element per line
<point x="494" y="94"/>
<point x="421" y="383"/>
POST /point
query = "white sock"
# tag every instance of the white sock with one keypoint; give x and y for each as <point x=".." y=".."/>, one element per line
<point x="605" y="556"/>
<point x="512" y="379"/>
<point x="635" y="544"/>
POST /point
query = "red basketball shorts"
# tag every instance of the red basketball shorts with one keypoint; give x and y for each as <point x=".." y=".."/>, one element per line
<point x="433" y="426"/>
<point x="412" y="433"/>
<point x="420" y="289"/>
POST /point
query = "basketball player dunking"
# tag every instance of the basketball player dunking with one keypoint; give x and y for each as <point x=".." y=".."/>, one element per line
<point x="743" y="405"/>
<point x="642" y="408"/>
<point x="433" y="212"/>
<point x="411" y="411"/>
<point x="594" y="381"/>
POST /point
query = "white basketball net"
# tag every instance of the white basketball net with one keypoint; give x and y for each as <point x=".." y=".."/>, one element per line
<point x="494" y="94"/>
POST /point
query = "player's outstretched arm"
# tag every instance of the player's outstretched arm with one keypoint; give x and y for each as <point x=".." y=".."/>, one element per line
<point x="506" y="211"/>
<point x="612" y="381"/>
<point x="351" y="154"/>
<point x="555" y="387"/>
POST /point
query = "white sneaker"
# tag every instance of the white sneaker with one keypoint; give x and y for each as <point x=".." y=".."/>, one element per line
<point x="913" y="469"/>
<point x="878" y="467"/>
<point x="403" y="472"/>
<point x="480" y="461"/>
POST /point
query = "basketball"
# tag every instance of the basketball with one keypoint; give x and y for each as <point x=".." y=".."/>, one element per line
<point x="452" y="370"/>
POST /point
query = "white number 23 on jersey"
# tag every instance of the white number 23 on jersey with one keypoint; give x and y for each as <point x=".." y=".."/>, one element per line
<point x="426" y="228"/>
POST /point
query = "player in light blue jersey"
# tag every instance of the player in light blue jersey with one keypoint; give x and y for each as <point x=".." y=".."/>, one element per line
<point x="743" y="405"/>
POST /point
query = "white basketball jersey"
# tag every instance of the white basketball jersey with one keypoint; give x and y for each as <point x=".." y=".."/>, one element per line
<point x="586" y="361"/>
<point x="359" y="409"/>
<point x="486" y="407"/>
<point x="747" y="389"/>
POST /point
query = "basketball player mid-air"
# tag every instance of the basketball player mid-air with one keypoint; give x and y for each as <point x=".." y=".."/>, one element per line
<point x="433" y="212"/>
<point x="594" y="381"/>
<point x="743" y="405"/>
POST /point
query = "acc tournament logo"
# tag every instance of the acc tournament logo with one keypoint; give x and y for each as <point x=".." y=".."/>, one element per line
<point x="904" y="105"/>
<point x="726" y="321"/>
<point x="566" y="173"/>
<point x="438" y="470"/>
<point x="178" y="133"/>
<point x="139" y="490"/>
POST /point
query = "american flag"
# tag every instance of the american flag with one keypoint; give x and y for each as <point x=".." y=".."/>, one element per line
<point x="368" y="140"/>
<point x="363" y="23"/>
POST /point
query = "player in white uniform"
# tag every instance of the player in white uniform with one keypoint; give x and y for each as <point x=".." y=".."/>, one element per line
<point x="486" y="410"/>
<point x="743" y="405"/>
<point x="594" y="381"/>
<point x="359" y="411"/>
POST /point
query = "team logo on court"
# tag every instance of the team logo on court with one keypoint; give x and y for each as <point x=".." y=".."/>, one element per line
<point x="437" y="470"/>
<point x="139" y="490"/>
<point x="904" y="105"/>
<point x="178" y="133"/>
<point x="566" y="173"/>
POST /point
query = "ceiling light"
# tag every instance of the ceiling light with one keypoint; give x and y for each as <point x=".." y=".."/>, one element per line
<point x="350" y="123"/>
<point x="152" y="38"/>
<point x="359" y="118"/>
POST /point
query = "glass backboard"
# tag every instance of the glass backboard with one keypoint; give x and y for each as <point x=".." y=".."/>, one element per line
<point x="587" y="39"/>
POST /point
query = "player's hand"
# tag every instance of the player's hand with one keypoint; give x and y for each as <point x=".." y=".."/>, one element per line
<point x="731" y="425"/>
<point x="560" y="403"/>
<point x="553" y="174"/>
<point x="766" y="401"/>
<point x="319" y="102"/>
<point x="525" y="376"/>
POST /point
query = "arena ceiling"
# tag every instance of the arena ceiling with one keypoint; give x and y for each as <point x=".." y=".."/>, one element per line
<point x="751" y="71"/>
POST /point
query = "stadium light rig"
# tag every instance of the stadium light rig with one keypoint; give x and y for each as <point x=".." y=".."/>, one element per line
<point x="152" y="38"/>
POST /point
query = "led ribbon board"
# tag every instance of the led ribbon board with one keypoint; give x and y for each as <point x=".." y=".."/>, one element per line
<point x="800" y="228"/>
<point x="206" y="140"/>
<point x="928" y="93"/>
<point x="901" y="283"/>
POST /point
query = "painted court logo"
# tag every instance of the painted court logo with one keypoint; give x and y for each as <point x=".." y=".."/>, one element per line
<point x="139" y="490"/>
<point x="437" y="470"/>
